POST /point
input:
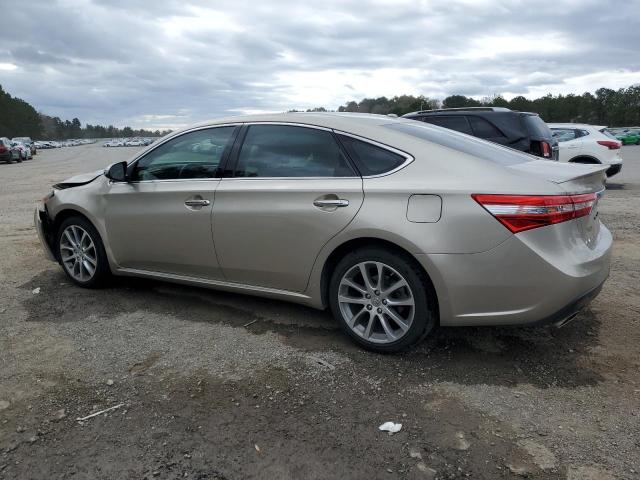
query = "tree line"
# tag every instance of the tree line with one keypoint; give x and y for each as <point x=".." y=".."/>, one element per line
<point x="614" y="108"/>
<point x="19" y="119"/>
<point x="53" y="128"/>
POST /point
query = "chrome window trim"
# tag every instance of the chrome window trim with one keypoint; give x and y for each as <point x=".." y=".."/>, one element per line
<point x="290" y="124"/>
<point x="144" y="153"/>
<point x="408" y="157"/>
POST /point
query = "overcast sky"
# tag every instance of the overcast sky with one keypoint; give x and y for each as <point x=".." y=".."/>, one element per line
<point x="167" y="63"/>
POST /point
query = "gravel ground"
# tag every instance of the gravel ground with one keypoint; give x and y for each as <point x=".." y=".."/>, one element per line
<point x="201" y="394"/>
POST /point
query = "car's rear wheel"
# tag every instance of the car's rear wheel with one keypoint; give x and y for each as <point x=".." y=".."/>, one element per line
<point x="81" y="253"/>
<point x="382" y="300"/>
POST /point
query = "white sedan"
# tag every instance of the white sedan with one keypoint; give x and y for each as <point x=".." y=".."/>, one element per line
<point x="582" y="143"/>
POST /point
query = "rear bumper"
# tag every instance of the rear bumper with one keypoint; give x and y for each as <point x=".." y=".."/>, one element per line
<point x="518" y="282"/>
<point x="41" y="221"/>
<point x="614" y="169"/>
<point x="567" y="313"/>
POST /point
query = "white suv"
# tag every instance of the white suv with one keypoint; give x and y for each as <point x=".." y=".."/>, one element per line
<point x="581" y="143"/>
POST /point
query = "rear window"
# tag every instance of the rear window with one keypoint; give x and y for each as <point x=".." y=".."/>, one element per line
<point x="608" y="133"/>
<point x="470" y="145"/>
<point x="369" y="159"/>
<point x="536" y="126"/>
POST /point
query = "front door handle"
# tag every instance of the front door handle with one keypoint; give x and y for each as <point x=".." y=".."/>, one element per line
<point x="197" y="203"/>
<point x="331" y="203"/>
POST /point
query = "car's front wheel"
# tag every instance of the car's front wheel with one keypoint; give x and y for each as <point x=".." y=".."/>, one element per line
<point x="81" y="253"/>
<point x="382" y="300"/>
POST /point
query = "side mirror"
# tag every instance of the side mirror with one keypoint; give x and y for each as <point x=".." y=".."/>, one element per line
<point x="117" y="172"/>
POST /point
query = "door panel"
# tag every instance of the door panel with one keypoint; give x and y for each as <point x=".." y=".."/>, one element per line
<point x="570" y="149"/>
<point x="268" y="232"/>
<point x="150" y="227"/>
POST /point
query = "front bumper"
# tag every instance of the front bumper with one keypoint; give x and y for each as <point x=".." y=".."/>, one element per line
<point x="42" y="223"/>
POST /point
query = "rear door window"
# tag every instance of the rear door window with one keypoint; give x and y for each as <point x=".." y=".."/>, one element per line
<point x="564" y="134"/>
<point x="274" y="151"/>
<point x="459" y="123"/>
<point x="371" y="159"/>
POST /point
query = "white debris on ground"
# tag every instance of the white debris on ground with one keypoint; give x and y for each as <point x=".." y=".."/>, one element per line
<point x="390" y="427"/>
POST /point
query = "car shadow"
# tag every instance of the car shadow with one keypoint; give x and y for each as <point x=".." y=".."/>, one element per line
<point x="540" y="356"/>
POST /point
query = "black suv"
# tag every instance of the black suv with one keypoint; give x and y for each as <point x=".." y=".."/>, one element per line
<point x="523" y="131"/>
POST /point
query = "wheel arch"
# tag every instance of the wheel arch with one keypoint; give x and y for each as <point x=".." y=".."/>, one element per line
<point x="344" y="248"/>
<point x="587" y="159"/>
<point x="60" y="217"/>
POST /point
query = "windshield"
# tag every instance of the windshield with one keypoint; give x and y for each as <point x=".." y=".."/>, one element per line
<point x="462" y="143"/>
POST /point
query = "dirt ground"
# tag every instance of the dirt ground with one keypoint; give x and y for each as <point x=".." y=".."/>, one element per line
<point x="213" y="385"/>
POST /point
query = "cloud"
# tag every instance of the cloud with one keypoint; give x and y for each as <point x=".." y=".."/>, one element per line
<point x="173" y="62"/>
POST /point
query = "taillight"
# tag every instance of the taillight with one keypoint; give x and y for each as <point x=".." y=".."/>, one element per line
<point x="2" y="148"/>
<point x="546" y="149"/>
<point x="610" y="144"/>
<point x="524" y="212"/>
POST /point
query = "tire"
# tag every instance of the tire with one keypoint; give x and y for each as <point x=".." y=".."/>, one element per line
<point x="71" y="233"/>
<point x="369" y="321"/>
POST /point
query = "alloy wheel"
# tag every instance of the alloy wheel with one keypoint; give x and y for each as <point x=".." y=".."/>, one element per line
<point x="78" y="253"/>
<point x="376" y="302"/>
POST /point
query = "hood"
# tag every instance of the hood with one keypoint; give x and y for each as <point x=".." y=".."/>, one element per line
<point x="78" y="180"/>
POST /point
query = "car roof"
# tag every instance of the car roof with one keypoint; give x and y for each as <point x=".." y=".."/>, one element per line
<point x="461" y="110"/>
<point x="359" y="123"/>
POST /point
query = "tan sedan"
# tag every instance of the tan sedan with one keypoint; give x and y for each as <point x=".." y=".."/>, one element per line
<point x="395" y="225"/>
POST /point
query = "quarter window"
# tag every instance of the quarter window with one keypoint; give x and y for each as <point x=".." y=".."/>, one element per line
<point x="192" y="155"/>
<point x="370" y="159"/>
<point x="291" y="151"/>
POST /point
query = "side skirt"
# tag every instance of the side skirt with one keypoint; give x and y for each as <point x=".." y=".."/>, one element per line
<point x="265" y="292"/>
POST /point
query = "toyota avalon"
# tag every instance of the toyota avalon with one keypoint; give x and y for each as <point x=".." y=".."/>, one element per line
<point x="395" y="226"/>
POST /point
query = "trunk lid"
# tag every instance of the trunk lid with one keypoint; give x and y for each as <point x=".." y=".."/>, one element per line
<point x="573" y="178"/>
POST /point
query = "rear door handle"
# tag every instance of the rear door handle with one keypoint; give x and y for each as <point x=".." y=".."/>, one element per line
<point x="329" y="203"/>
<point x="197" y="203"/>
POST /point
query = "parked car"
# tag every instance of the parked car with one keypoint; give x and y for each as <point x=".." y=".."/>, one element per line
<point x="522" y="131"/>
<point x="5" y="150"/>
<point x="134" y="143"/>
<point x="627" y="136"/>
<point x="26" y="141"/>
<point x="20" y="151"/>
<point x="113" y="143"/>
<point x="393" y="224"/>
<point x="581" y="143"/>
